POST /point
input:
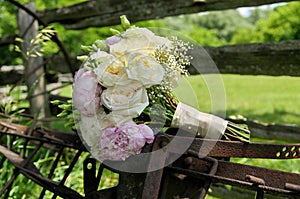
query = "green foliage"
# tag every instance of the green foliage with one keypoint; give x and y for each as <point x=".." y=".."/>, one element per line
<point x="67" y="112"/>
<point x="225" y="22"/>
<point x="7" y="19"/>
<point x="205" y="37"/>
<point x="246" y="35"/>
<point x="11" y="103"/>
<point x="281" y="24"/>
<point x="257" y="14"/>
<point x="37" y="45"/>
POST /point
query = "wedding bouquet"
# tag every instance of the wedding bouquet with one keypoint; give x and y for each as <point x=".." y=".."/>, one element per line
<point x="118" y="83"/>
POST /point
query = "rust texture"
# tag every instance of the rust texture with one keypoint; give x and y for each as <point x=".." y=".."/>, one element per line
<point x="189" y="176"/>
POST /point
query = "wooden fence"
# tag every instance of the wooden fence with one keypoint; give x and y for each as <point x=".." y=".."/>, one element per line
<point x="249" y="59"/>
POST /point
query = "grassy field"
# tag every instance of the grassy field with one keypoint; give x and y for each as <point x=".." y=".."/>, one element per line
<point x="262" y="98"/>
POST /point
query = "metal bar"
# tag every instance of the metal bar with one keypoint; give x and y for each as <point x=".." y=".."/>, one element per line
<point x="48" y="140"/>
<point x="91" y="182"/>
<point x="222" y="148"/>
<point x="154" y="178"/>
<point x="31" y="172"/>
<point x="260" y="194"/>
<point x="68" y="171"/>
<point x="234" y="174"/>
<point x="7" y="186"/>
<point x="212" y="171"/>
<point x="293" y="187"/>
<point x="53" y="167"/>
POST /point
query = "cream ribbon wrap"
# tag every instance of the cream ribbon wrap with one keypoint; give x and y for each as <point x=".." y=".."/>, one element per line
<point x="205" y="125"/>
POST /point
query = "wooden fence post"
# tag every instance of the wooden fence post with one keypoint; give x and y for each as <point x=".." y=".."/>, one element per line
<point x="34" y="70"/>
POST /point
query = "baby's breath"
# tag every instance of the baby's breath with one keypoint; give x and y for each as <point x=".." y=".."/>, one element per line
<point x="174" y="58"/>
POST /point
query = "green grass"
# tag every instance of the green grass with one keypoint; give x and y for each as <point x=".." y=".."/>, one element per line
<point x="262" y="98"/>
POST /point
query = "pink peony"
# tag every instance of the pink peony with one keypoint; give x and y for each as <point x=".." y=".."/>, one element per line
<point x="118" y="143"/>
<point x="86" y="92"/>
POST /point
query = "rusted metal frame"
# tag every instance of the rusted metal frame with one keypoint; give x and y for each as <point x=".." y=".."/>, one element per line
<point x="45" y="140"/>
<point x="275" y="181"/>
<point x="153" y="179"/>
<point x="91" y="181"/>
<point x="217" y="147"/>
<point x="222" y="148"/>
<point x="54" y="187"/>
<point x="10" y="182"/>
<point x="68" y="171"/>
<point x="7" y="187"/>
<point x="55" y="37"/>
<point x="66" y="138"/>
<point x="259" y="176"/>
<point x="238" y="175"/>
<point x="213" y="171"/>
<point x="49" y="140"/>
<point x="257" y="181"/>
<point x="31" y="172"/>
<point x="53" y="167"/>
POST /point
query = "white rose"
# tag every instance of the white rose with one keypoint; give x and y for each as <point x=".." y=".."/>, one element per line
<point x="145" y="69"/>
<point x="138" y="40"/>
<point x="110" y="70"/>
<point x="131" y="99"/>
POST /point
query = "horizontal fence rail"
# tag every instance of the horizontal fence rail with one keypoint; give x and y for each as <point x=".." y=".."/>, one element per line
<point x="273" y="59"/>
<point x="98" y="13"/>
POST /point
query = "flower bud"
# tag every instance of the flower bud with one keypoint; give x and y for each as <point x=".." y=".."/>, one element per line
<point x="100" y="44"/>
<point x="82" y="58"/>
<point x="114" y="31"/>
<point x="125" y="23"/>
<point x="87" y="48"/>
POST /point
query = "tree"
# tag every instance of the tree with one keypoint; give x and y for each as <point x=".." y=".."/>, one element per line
<point x="281" y="24"/>
<point x="225" y="22"/>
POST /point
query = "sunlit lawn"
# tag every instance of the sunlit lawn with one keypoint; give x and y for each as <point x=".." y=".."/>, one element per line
<point x="263" y="98"/>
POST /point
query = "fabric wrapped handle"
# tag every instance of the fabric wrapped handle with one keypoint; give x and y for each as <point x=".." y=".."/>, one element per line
<point x="205" y="125"/>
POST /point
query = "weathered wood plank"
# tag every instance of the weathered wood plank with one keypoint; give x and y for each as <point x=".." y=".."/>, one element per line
<point x="106" y="12"/>
<point x="273" y="59"/>
<point x="35" y="81"/>
<point x="250" y="59"/>
<point x="288" y="133"/>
